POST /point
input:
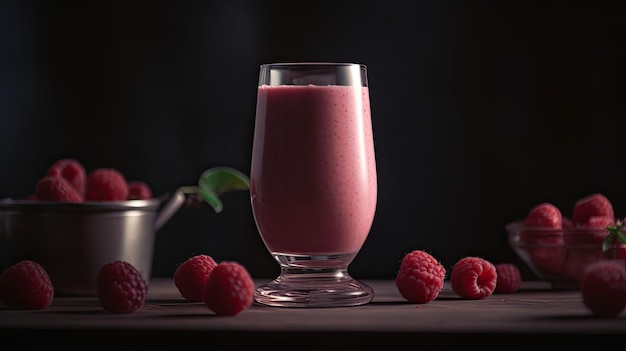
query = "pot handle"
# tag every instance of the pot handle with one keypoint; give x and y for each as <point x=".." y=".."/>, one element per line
<point x="169" y="209"/>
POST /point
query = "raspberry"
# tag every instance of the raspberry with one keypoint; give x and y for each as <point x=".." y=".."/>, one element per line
<point x="603" y="288"/>
<point x="72" y="170"/>
<point x="191" y="276"/>
<point x="548" y="260"/>
<point x="597" y="222"/>
<point x="138" y="190"/>
<point x="593" y="205"/>
<point x="578" y="261"/>
<point x="544" y="237"/>
<point x="509" y="278"/>
<point x="544" y="215"/>
<point x="106" y="184"/>
<point x="592" y="232"/>
<point x="420" y="277"/>
<point x="229" y="289"/>
<point x="57" y="189"/>
<point x="473" y="278"/>
<point x="567" y="223"/>
<point x="120" y="287"/>
<point x="585" y="245"/>
<point x="26" y="285"/>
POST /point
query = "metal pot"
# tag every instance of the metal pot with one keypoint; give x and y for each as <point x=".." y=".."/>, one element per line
<point x="72" y="241"/>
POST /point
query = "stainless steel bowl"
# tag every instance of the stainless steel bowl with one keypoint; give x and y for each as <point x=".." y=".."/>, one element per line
<point x="73" y="241"/>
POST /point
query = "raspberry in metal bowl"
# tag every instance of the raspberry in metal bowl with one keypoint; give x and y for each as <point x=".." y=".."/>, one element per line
<point x="560" y="256"/>
<point x="76" y="222"/>
<point x="72" y="241"/>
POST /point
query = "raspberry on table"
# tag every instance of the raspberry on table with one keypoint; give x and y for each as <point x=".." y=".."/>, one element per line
<point x="72" y="170"/>
<point x="56" y="189"/>
<point x="139" y="190"/>
<point x="191" y="275"/>
<point x="106" y="184"/>
<point x="120" y="287"/>
<point x="26" y="285"/>
<point x="229" y="289"/>
<point x="509" y="278"/>
<point x="593" y="205"/>
<point x="420" y="277"/>
<point x="473" y="277"/>
<point x="603" y="288"/>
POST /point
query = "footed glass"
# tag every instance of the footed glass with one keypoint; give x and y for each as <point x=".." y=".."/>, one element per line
<point x="313" y="181"/>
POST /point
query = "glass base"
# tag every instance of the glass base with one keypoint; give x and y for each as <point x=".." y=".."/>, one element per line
<point x="314" y="281"/>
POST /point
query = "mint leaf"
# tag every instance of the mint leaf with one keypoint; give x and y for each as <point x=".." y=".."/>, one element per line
<point x="214" y="182"/>
<point x="218" y="180"/>
<point x="607" y="243"/>
<point x="615" y="235"/>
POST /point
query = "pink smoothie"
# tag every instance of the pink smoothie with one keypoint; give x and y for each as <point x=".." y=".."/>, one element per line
<point x="313" y="179"/>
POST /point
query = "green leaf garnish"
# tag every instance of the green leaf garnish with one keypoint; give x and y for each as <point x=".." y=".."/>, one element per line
<point x="615" y="235"/>
<point x="216" y="181"/>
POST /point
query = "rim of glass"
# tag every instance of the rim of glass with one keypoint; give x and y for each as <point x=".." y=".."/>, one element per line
<point x="313" y="63"/>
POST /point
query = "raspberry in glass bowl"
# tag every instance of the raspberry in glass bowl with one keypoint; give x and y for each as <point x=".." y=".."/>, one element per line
<point x="561" y="256"/>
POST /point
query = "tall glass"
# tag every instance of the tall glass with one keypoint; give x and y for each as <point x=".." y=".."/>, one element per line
<point x="313" y="182"/>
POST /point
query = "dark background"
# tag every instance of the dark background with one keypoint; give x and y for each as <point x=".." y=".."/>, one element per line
<point x="480" y="109"/>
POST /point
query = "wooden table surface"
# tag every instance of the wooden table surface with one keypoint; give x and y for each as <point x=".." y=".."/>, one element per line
<point x="166" y="320"/>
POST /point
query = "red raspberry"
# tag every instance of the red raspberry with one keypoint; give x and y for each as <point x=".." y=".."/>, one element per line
<point x="106" y="184"/>
<point x="544" y="215"/>
<point x="229" y="289"/>
<point x="26" y="285"/>
<point x="57" y="189"/>
<point x="567" y="223"/>
<point x="592" y="205"/>
<point x="578" y="261"/>
<point x="544" y="238"/>
<point x="191" y="276"/>
<point x="548" y="260"/>
<point x="603" y="288"/>
<point x="585" y="245"/>
<point x="592" y="232"/>
<point x="509" y="278"/>
<point x="72" y="170"/>
<point x="597" y="222"/>
<point x="473" y="278"/>
<point x="138" y="190"/>
<point x="120" y="287"/>
<point x="420" y="277"/>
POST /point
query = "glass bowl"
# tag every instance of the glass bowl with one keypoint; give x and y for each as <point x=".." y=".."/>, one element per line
<point x="560" y="256"/>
